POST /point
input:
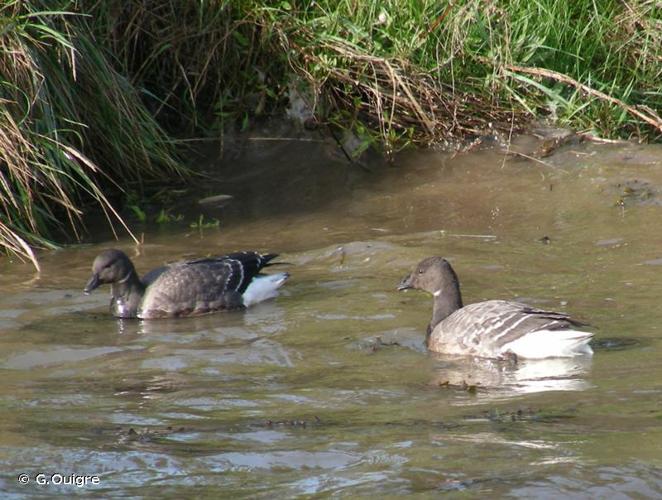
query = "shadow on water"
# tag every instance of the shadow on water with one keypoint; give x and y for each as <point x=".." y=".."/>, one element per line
<point x="616" y="344"/>
<point x="328" y="389"/>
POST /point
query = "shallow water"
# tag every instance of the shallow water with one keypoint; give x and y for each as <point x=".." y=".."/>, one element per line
<point x="328" y="389"/>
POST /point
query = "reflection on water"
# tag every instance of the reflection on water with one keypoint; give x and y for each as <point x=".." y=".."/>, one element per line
<point x="329" y="389"/>
<point x="497" y="379"/>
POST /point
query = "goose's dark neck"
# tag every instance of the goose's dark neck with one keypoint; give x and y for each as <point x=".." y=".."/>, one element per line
<point x="127" y="294"/>
<point x="447" y="300"/>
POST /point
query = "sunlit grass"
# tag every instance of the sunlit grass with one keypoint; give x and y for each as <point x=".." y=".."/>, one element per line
<point x="84" y="91"/>
<point x="398" y="71"/>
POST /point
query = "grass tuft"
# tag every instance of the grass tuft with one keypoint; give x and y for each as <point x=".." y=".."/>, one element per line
<point x="70" y="128"/>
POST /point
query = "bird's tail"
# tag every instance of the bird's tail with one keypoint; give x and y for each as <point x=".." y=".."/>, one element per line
<point x="263" y="287"/>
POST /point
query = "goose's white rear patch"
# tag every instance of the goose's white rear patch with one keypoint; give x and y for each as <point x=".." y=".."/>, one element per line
<point x="550" y="344"/>
<point x="263" y="287"/>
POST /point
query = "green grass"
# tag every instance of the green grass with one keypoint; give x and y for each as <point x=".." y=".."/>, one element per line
<point x="398" y="72"/>
<point x="91" y="94"/>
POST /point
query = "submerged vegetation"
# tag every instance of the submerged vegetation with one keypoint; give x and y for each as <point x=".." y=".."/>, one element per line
<point x="94" y="93"/>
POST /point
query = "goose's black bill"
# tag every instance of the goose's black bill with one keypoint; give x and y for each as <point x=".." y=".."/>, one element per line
<point x="405" y="283"/>
<point x="92" y="284"/>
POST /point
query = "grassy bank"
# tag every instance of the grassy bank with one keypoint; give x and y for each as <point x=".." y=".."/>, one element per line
<point x="423" y="71"/>
<point x="88" y="91"/>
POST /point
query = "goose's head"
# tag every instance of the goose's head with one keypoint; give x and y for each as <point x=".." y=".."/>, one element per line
<point x="110" y="266"/>
<point x="432" y="275"/>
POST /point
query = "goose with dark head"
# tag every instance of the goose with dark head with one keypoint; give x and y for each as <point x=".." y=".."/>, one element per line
<point x="493" y="328"/>
<point x="184" y="288"/>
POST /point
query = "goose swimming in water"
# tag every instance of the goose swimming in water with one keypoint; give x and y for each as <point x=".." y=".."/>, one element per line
<point x="494" y="328"/>
<point x="185" y="288"/>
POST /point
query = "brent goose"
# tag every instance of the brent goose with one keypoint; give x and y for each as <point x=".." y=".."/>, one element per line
<point x="184" y="288"/>
<point x="494" y="328"/>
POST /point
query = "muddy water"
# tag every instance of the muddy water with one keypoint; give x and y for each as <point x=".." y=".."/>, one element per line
<point x="328" y="389"/>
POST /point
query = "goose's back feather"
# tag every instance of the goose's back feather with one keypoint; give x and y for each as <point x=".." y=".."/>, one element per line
<point x="495" y="327"/>
<point x="200" y="286"/>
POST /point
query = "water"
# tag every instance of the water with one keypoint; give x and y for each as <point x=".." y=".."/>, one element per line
<point x="328" y="389"/>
